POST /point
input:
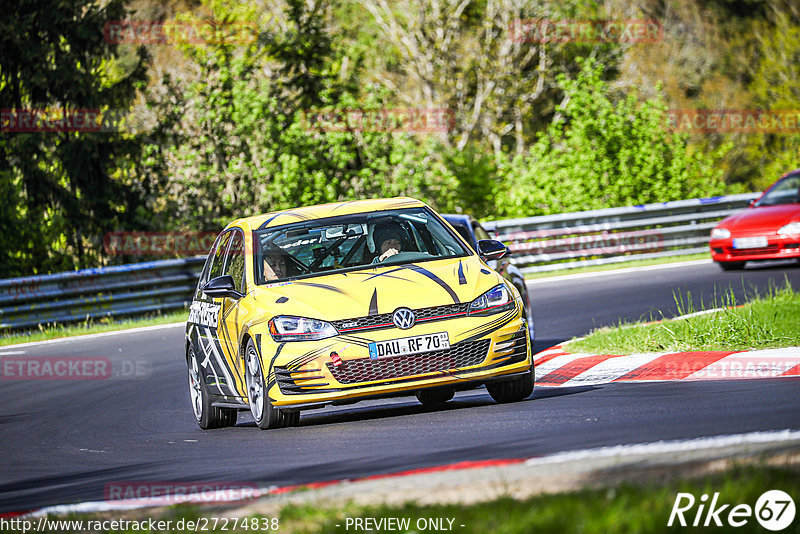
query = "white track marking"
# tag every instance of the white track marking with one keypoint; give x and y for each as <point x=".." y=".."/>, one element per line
<point x="84" y="337"/>
<point x="660" y="447"/>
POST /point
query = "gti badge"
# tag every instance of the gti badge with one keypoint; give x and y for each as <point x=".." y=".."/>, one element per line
<point x="403" y="318"/>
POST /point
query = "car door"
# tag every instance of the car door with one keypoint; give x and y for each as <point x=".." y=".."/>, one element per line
<point x="207" y="318"/>
<point x="230" y="325"/>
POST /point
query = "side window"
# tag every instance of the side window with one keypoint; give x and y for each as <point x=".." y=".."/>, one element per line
<point x="219" y="256"/>
<point x="205" y="273"/>
<point x="234" y="264"/>
<point x="462" y="230"/>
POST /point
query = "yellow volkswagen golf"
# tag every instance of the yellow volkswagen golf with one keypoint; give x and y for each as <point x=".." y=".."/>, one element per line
<point x="337" y="303"/>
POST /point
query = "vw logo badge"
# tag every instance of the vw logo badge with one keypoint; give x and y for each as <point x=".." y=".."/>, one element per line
<point x="403" y="318"/>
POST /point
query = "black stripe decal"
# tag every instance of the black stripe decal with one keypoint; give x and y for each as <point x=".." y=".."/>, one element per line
<point x="436" y="279"/>
<point x="322" y="286"/>
<point x="373" y="303"/>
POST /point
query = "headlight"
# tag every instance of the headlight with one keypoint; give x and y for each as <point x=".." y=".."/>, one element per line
<point x="720" y="233"/>
<point x="287" y="328"/>
<point x="790" y="229"/>
<point x="495" y="300"/>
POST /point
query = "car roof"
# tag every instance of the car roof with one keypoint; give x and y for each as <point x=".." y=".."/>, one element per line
<point x="278" y="218"/>
<point x="460" y="219"/>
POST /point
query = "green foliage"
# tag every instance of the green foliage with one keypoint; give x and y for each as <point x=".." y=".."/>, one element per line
<point x="60" y="191"/>
<point x="226" y="129"/>
<point x="242" y="142"/>
<point x="605" y="150"/>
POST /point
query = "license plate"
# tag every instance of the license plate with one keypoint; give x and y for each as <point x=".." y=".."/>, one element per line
<point x="750" y="242"/>
<point x="409" y="345"/>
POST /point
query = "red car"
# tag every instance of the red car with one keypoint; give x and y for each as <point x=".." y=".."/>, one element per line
<point x="767" y="230"/>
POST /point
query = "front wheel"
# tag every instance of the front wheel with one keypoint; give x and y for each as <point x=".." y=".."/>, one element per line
<point x="513" y="390"/>
<point x="265" y="415"/>
<point x="206" y="415"/>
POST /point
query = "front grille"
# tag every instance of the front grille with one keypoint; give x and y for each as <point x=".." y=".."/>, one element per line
<point x="384" y="320"/>
<point x="771" y="249"/>
<point x="460" y="355"/>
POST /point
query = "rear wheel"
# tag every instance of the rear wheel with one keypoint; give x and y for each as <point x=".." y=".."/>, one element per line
<point x="434" y="397"/>
<point x="206" y="415"/>
<point x="512" y="390"/>
<point x="731" y="265"/>
<point x="265" y="415"/>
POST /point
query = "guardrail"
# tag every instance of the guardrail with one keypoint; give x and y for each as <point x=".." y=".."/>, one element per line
<point x="547" y="243"/>
<point x="614" y="235"/>
<point x="93" y="293"/>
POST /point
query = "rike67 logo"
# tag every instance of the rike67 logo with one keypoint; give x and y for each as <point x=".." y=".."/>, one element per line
<point x="774" y="510"/>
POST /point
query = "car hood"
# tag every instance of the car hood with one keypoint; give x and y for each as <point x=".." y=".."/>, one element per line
<point x="762" y="218"/>
<point x="379" y="290"/>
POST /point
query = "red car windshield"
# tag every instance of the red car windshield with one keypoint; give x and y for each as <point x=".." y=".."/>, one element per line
<point x="785" y="191"/>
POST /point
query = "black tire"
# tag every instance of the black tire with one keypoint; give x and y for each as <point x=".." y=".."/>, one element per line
<point x="436" y="396"/>
<point x="264" y="413"/>
<point x="513" y="390"/>
<point x="731" y="265"/>
<point x="206" y="415"/>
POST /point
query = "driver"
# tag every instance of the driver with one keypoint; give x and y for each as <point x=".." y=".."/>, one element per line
<point x="274" y="265"/>
<point x="389" y="241"/>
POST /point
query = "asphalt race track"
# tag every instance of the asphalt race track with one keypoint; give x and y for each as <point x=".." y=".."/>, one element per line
<point x="62" y="441"/>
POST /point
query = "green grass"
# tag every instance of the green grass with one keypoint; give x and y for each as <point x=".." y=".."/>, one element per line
<point x="641" y="508"/>
<point x="627" y="508"/>
<point x="769" y="321"/>
<point x="45" y="332"/>
<point x="616" y="266"/>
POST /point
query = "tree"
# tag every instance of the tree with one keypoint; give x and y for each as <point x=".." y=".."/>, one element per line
<point x="606" y="150"/>
<point x="62" y="189"/>
<point x="462" y="55"/>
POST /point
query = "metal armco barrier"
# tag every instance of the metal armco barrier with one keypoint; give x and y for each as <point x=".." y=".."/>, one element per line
<point x="547" y="243"/>
<point x="614" y="235"/>
<point x="94" y="293"/>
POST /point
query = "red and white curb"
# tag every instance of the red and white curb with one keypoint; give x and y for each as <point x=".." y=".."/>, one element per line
<point x="557" y="367"/>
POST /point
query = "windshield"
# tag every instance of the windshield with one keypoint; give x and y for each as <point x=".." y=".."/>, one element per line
<point x="785" y="191"/>
<point x="351" y="242"/>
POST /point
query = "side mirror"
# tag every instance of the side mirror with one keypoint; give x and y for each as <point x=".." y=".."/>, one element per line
<point x="491" y="249"/>
<point x="222" y="286"/>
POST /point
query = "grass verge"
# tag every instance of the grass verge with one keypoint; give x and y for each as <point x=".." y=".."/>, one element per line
<point x="769" y="321"/>
<point x="53" y="331"/>
<point x="628" y="507"/>
<point x="617" y="266"/>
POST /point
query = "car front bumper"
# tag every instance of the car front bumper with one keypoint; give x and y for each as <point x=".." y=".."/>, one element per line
<point x="308" y="375"/>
